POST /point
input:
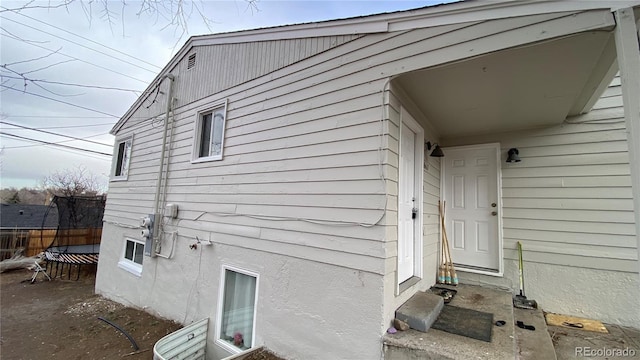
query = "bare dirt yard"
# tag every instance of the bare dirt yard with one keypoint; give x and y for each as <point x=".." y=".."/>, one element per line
<point x="59" y="320"/>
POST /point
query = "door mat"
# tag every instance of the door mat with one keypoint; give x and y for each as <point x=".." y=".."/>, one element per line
<point x="466" y="322"/>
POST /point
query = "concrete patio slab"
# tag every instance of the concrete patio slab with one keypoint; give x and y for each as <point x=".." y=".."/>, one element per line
<point x="535" y="344"/>
<point x="619" y="343"/>
<point x="436" y="344"/>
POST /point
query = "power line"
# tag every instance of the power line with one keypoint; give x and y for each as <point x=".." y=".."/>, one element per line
<point x="87" y="39"/>
<point x="53" y="144"/>
<point x="79" y="44"/>
<point x="57" y="142"/>
<point x="65" y="127"/>
<point x="74" y="58"/>
<point x="98" y="157"/>
<point x="60" y="101"/>
<point x="61" y="117"/>
<point x="84" y="154"/>
<point x="56" y="134"/>
<point x="69" y="84"/>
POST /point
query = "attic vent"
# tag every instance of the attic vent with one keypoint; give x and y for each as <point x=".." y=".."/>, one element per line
<point x="192" y="61"/>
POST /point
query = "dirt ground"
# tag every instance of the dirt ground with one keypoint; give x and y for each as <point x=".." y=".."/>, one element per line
<point x="59" y="320"/>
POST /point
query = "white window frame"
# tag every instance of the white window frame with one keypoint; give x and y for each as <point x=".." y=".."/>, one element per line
<point x="197" y="133"/>
<point x="128" y="264"/>
<point x="225" y="345"/>
<point x="116" y="154"/>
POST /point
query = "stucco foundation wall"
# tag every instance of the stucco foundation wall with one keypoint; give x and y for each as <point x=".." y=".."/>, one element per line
<point x="608" y="296"/>
<point x="306" y="309"/>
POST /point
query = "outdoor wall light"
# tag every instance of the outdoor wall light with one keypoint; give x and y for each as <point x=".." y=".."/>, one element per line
<point x="437" y="151"/>
<point x="513" y="155"/>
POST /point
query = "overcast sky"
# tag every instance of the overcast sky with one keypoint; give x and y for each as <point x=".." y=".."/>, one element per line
<point x="78" y="45"/>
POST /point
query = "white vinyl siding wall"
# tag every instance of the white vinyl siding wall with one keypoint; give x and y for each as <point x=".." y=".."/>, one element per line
<point x="302" y="147"/>
<point x="589" y="194"/>
<point x="396" y="99"/>
<point x="310" y="159"/>
<point x="229" y="65"/>
<point x="569" y="201"/>
<point x="431" y="187"/>
<point x="220" y="67"/>
<point x="303" y="143"/>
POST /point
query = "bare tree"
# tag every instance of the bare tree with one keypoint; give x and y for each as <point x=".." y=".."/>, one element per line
<point x="24" y="195"/>
<point x="32" y="196"/>
<point x="9" y="196"/>
<point x="169" y="15"/>
<point x="175" y="14"/>
<point x="72" y="182"/>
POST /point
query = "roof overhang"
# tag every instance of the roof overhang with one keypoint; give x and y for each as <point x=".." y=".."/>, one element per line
<point x="432" y="16"/>
<point x="429" y="16"/>
<point x="529" y="86"/>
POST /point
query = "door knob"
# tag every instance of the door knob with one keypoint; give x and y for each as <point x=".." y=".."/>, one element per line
<point x="494" y="213"/>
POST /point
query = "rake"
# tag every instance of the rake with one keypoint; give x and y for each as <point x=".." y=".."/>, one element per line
<point x="520" y="301"/>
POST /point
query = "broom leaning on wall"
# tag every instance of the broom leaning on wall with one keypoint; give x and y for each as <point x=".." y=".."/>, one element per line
<point x="446" y="272"/>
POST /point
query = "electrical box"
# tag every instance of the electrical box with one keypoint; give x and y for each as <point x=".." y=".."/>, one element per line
<point x="171" y="211"/>
<point x="148" y="232"/>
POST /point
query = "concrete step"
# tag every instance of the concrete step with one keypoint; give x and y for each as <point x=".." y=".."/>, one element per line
<point x="421" y="310"/>
<point x="535" y="344"/>
<point x="436" y="344"/>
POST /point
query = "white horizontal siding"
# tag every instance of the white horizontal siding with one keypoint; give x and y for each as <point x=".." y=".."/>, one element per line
<point x="430" y="231"/>
<point x="569" y="201"/>
<point x="287" y="169"/>
<point x="301" y="123"/>
<point x="228" y="65"/>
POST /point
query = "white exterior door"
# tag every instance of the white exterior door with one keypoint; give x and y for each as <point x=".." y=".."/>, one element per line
<point x="410" y="198"/>
<point x="471" y="192"/>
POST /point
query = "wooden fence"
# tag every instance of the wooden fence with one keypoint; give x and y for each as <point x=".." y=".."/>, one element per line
<point x="12" y="241"/>
<point x="34" y="242"/>
<point x="40" y="240"/>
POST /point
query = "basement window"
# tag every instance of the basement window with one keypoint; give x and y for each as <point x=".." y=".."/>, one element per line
<point x="237" y="310"/>
<point x="121" y="158"/>
<point x="191" y="61"/>
<point x="132" y="256"/>
<point x="209" y="134"/>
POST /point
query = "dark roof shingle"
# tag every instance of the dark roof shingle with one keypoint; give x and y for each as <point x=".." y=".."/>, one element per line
<point x="19" y="216"/>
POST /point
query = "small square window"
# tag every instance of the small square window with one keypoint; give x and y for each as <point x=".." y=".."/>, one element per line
<point x="122" y="158"/>
<point x="209" y="139"/>
<point x="236" y="331"/>
<point x="132" y="256"/>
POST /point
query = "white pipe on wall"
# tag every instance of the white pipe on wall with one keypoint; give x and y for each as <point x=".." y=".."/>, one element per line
<point x="156" y="200"/>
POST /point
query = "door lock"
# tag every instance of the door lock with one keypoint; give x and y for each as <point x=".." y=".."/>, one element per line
<point x="494" y="213"/>
<point x="414" y="213"/>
